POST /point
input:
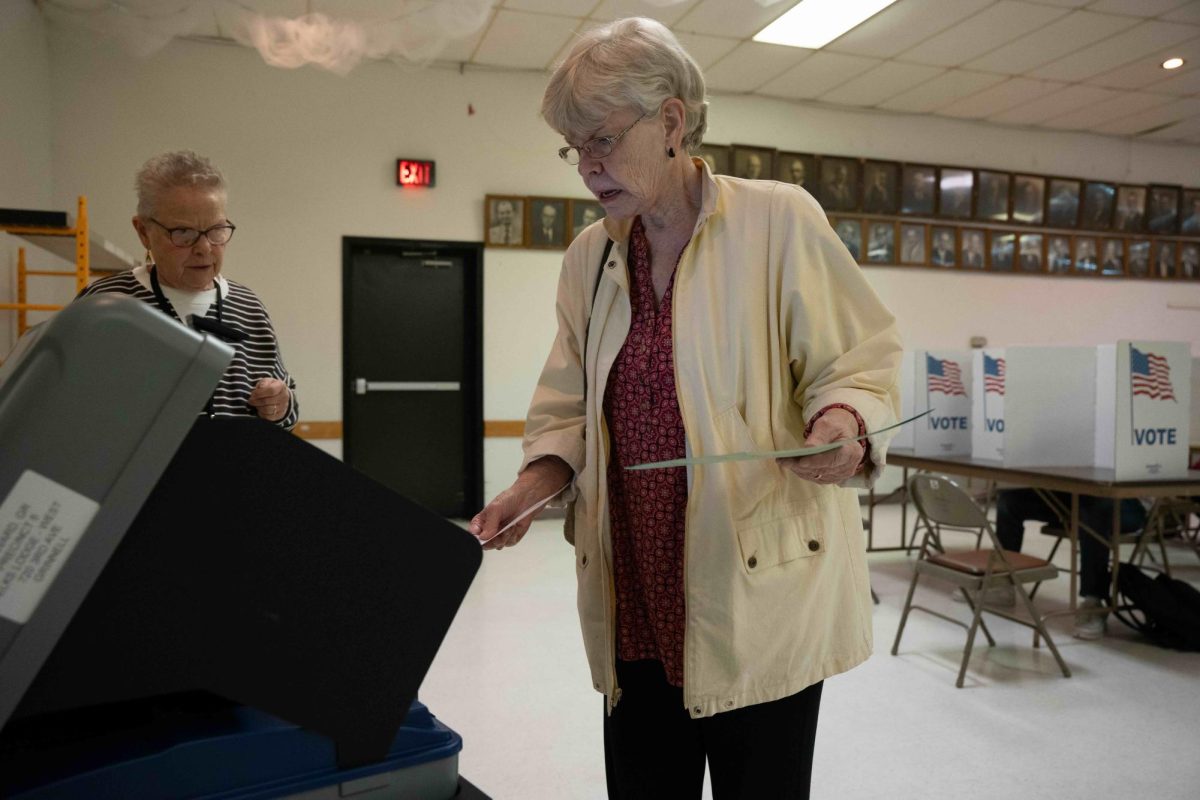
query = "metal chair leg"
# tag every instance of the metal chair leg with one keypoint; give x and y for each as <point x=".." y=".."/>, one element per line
<point x="912" y="587"/>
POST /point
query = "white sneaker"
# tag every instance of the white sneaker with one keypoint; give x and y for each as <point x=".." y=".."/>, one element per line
<point x="1089" y="625"/>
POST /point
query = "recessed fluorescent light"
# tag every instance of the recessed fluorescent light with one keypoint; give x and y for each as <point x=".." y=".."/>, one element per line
<point x="1172" y="63"/>
<point x="816" y="23"/>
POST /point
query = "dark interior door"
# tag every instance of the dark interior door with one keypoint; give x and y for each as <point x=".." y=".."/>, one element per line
<point x="413" y="369"/>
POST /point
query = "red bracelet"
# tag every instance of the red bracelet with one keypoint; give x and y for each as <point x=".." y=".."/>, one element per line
<point x="862" y="429"/>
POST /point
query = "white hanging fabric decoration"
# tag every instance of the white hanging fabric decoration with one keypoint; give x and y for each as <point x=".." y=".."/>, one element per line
<point x="415" y="31"/>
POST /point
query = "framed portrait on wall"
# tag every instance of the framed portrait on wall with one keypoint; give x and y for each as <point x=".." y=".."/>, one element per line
<point x="1162" y="209"/>
<point x="547" y="223"/>
<point x="583" y="213"/>
<point x="840" y="183"/>
<point x="913" y="247"/>
<point x="1086" y="255"/>
<point x="1058" y="255"/>
<point x="1130" y="215"/>
<point x="1112" y="256"/>
<point x="991" y="197"/>
<point x="504" y="220"/>
<point x="1062" y="203"/>
<point x="943" y="250"/>
<point x="918" y="184"/>
<point x="881" y="180"/>
<point x="1189" y="224"/>
<point x="799" y="169"/>
<point x="755" y="163"/>
<point x="1099" y="202"/>
<point x="849" y="230"/>
<point x="1139" y="258"/>
<point x="972" y="248"/>
<point x="1028" y="199"/>
<point x="1001" y="245"/>
<point x="956" y="188"/>
<point x="1029" y="250"/>
<point x="1189" y="261"/>
<point x="1163" y="265"/>
<point x="881" y="242"/>
<point x="716" y="156"/>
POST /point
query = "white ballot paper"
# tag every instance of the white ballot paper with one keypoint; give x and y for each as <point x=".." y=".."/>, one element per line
<point x="754" y="456"/>
<point x="528" y="511"/>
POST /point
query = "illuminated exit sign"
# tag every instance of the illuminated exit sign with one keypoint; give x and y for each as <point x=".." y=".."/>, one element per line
<point x="411" y="172"/>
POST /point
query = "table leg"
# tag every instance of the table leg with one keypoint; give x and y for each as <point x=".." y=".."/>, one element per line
<point x="904" y="511"/>
<point x="871" y="519"/>
<point x="1074" y="532"/>
<point x="1116" y="551"/>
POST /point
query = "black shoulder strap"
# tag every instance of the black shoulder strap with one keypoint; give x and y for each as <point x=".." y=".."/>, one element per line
<point x="591" y="308"/>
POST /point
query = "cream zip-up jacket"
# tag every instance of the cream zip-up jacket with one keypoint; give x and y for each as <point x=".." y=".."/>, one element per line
<point x="772" y="321"/>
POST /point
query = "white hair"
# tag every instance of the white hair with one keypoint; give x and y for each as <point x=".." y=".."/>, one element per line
<point x="167" y="171"/>
<point x="631" y="63"/>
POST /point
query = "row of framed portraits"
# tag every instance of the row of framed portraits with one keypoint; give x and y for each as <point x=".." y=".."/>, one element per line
<point x="845" y="184"/>
<point x="544" y="223"/>
<point x="892" y="242"/>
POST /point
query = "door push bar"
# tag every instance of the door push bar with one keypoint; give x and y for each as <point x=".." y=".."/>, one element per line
<point x="362" y="386"/>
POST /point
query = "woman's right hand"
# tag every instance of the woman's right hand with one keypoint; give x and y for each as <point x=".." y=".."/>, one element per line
<point x="538" y="480"/>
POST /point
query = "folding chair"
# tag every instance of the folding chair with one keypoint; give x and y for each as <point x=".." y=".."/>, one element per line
<point x="939" y="501"/>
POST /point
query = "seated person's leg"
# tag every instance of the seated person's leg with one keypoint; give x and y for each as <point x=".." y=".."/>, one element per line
<point x="1013" y="507"/>
<point x="1095" y="557"/>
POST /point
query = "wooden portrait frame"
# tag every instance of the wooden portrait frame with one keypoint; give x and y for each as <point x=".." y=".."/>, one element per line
<point x="838" y="198"/>
<point x="1098" y="205"/>
<point x="1138" y="264"/>
<point x="883" y="199"/>
<point x="1103" y="267"/>
<point x="1160" y="221"/>
<point x="988" y="208"/>
<point x="1002" y="265"/>
<point x="935" y="235"/>
<point x="1078" y="265"/>
<point x="842" y="223"/>
<point x="912" y="175"/>
<point x="1125" y="222"/>
<point x="718" y="156"/>
<point x="534" y="223"/>
<point x="492" y="220"/>
<point x="1025" y="244"/>
<point x="1067" y="268"/>
<point x="741" y="160"/>
<point x="1027" y="209"/>
<point x="1063" y="209"/>
<point x="961" y="203"/>
<point x="868" y="230"/>
<point x="922" y="236"/>
<point x="1189" y="212"/>
<point x="1187" y="247"/>
<point x="783" y="169"/>
<point x="575" y="212"/>
<point x="1156" y="248"/>
<point x="966" y="234"/>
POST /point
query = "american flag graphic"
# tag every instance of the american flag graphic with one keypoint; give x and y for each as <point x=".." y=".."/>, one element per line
<point x="993" y="375"/>
<point x="944" y="376"/>
<point x="1150" y="375"/>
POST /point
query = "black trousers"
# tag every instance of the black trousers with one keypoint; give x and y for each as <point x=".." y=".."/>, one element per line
<point x="653" y="749"/>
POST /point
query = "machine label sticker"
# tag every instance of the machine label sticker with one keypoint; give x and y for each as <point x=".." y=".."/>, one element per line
<point x="40" y="523"/>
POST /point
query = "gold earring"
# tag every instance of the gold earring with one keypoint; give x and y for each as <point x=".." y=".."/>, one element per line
<point x="149" y="261"/>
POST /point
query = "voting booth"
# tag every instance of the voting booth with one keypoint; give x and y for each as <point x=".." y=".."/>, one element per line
<point x="203" y="608"/>
<point x="937" y="381"/>
<point x="988" y="368"/>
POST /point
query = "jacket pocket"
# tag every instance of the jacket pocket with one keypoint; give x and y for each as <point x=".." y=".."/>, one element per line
<point x="750" y="481"/>
<point x="799" y="534"/>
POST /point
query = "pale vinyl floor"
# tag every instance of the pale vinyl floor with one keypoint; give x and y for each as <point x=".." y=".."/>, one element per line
<point x="512" y="681"/>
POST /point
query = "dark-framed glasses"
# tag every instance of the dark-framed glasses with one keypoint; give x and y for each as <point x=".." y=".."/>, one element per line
<point x="186" y="237"/>
<point x="597" y="148"/>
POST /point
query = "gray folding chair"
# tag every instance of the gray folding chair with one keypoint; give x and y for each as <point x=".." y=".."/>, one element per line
<point x="940" y="501"/>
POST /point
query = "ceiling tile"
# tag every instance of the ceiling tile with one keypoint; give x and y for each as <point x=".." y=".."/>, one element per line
<point x="1186" y="13"/>
<point x="941" y="91"/>
<point x="1066" y="3"/>
<point x="564" y="8"/>
<point x="707" y="50"/>
<point x="1136" y="8"/>
<point x="1129" y="45"/>
<point x="751" y="64"/>
<point x="993" y="27"/>
<point x="1186" y="80"/>
<point x="1053" y="104"/>
<point x="1121" y="105"/>
<point x="1152" y="118"/>
<point x="817" y="74"/>
<point x="1000" y="97"/>
<point x="462" y="49"/>
<point x="903" y="25"/>
<point x="1186" y="129"/>
<point x="1061" y="37"/>
<point x="520" y="39"/>
<point x="881" y="83"/>
<point x="1148" y="69"/>
<point x="618" y="9"/>
<point x="739" y="18"/>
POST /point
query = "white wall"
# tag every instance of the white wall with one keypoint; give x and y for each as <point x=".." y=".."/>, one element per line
<point x="309" y="159"/>
<point x="25" y="134"/>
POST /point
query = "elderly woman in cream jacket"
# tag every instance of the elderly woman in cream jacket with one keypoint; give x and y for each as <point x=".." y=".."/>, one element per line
<point x="704" y="315"/>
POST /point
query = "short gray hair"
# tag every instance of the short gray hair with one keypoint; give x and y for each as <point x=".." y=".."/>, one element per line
<point x="167" y="171"/>
<point x="631" y="63"/>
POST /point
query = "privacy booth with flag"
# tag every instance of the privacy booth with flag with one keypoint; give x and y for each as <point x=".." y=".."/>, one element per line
<point x="203" y="608"/>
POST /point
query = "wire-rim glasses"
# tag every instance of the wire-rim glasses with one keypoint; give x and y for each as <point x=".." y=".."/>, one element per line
<point x="186" y="237"/>
<point x="597" y="148"/>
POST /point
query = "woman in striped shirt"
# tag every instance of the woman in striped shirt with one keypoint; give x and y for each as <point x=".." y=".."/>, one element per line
<point x="182" y="224"/>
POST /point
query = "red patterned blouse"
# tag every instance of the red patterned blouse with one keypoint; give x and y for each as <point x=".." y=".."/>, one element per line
<point x="647" y="509"/>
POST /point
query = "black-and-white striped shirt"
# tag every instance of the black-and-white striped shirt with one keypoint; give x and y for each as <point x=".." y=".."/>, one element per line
<point x="254" y="358"/>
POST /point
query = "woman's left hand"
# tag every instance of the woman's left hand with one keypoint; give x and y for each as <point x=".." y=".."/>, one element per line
<point x="270" y="399"/>
<point x="834" y="466"/>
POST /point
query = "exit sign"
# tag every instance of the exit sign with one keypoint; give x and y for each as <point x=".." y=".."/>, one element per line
<point x="411" y="172"/>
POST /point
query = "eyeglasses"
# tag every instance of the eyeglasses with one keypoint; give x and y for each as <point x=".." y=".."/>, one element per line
<point x="597" y="148"/>
<point x="186" y="237"/>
